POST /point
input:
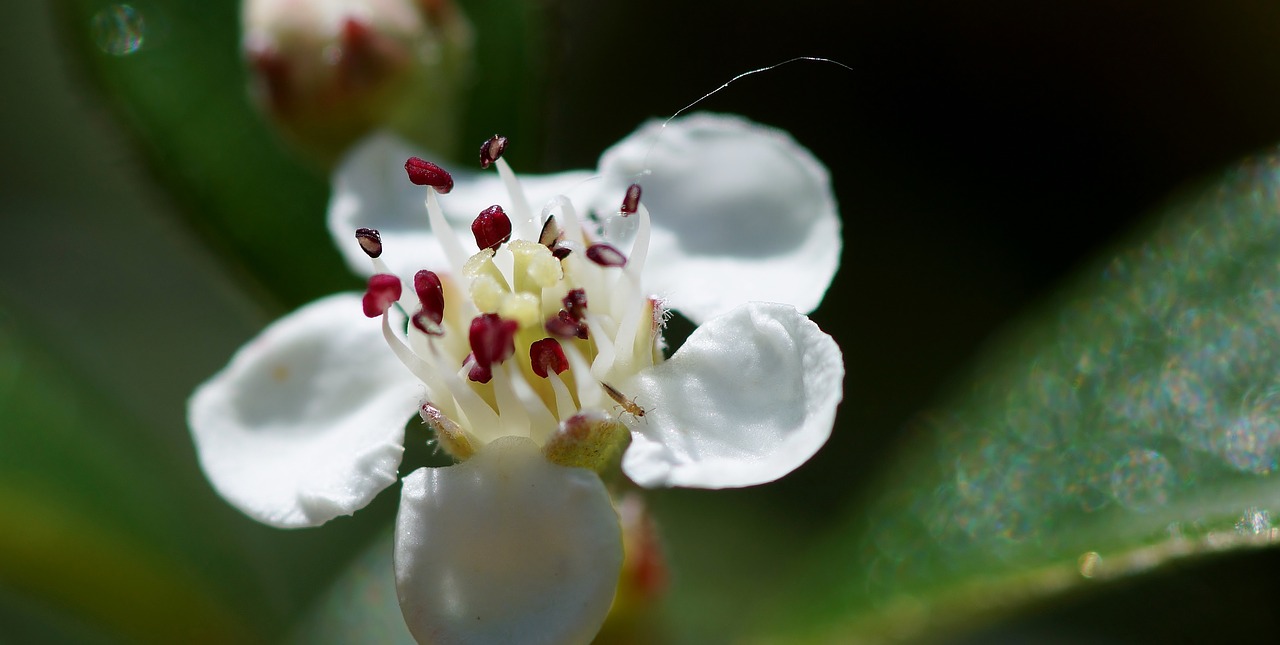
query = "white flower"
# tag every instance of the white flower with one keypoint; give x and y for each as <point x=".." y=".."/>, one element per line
<point x="528" y="357"/>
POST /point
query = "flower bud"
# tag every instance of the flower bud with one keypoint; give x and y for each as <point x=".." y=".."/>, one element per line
<point x="327" y="72"/>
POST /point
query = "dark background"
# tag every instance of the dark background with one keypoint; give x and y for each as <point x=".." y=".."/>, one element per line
<point x="981" y="151"/>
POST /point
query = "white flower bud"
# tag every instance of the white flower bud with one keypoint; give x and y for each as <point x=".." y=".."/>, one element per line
<point x="329" y="71"/>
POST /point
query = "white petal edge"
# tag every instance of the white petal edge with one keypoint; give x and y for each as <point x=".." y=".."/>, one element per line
<point x="506" y="548"/>
<point x="306" y="423"/>
<point x="371" y="190"/>
<point x="748" y="398"/>
<point x="741" y="212"/>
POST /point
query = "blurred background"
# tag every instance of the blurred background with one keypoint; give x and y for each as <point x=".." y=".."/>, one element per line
<point x="983" y="153"/>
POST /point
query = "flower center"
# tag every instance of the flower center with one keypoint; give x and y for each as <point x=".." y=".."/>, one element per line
<point x="527" y="336"/>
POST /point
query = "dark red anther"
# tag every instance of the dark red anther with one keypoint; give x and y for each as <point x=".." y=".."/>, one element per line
<point x="546" y="356"/>
<point x="475" y="372"/>
<point x="424" y="173"/>
<point x="383" y="291"/>
<point x="606" y="256"/>
<point x="492" y="228"/>
<point x="562" y="325"/>
<point x="430" y="293"/>
<point x="370" y="241"/>
<point x="631" y="201"/>
<point x="561" y="252"/>
<point x="426" y="323"/>
<point x="492" y="149"/>
<point x="575" y="302"/>
<point x="492" y="339"/>
<point x="550" y="234"/>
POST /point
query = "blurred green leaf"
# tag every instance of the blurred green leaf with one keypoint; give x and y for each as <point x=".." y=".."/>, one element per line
<point x="1134" y="423"/>
<point x="182" y="91"/>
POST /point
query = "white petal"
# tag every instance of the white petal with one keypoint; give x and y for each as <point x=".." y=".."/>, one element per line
<point x="748" y="398"/>
<point x="307" y="421"/>
<point x="506" y="548"/>
<point x="371" y="190"/>
<point x="741" y="212"/>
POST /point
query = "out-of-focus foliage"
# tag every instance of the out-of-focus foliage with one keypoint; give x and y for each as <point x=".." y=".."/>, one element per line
<point x="1132" y="423"/>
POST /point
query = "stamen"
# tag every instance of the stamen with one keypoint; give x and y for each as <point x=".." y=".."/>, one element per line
<point x="588" y="393"/>
<point x="512" y="414"/>
<point x="491" y="150"/>
<point x="382" y="292"/>
<point x="606" y="256"/>
<point x="627" y="294"/>
<point x="481" y="419"/>
<point x="492" y="339"/>
<point x="546" y="356"/>
<point x="476" y="372"/>
<point x="370" y="240"/>
<point x="562" y="325"/>
<point x="605" y="351"/>
<point x="521" y="213"/>
<point x="444" y="233"/>
<point x="575" y="302"/>
<point x="424" y="173"/>
<point x="492" y="228"/>
<point x="431" y="294"/>
<point x="427" y="323"/>
<point x="565" y="406"/>
<point x="409" y="359"/>
<point x="569" y="217"/>
<point x="631" y="200"/>
<point x="550" y="234"/>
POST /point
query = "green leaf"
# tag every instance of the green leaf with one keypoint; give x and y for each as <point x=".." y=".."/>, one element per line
<point x="1133" y="423"/>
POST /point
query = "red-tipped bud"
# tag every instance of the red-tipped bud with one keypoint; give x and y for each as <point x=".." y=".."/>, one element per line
<point x="424" y="173"/>
<point x="492" y="149"/>
<point x="546" y="356"/>
<point x="430" y="293"/>
<point x="370" y="240"/>
<point x="562" y="325"/>
<point x="575" y="302"/>
<point x="631" y="201"/>
<point x="383" y="291"/>
<point x="492" y="228"/>
<point x="606" y="256"/>
<point x="492" y="339"/>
